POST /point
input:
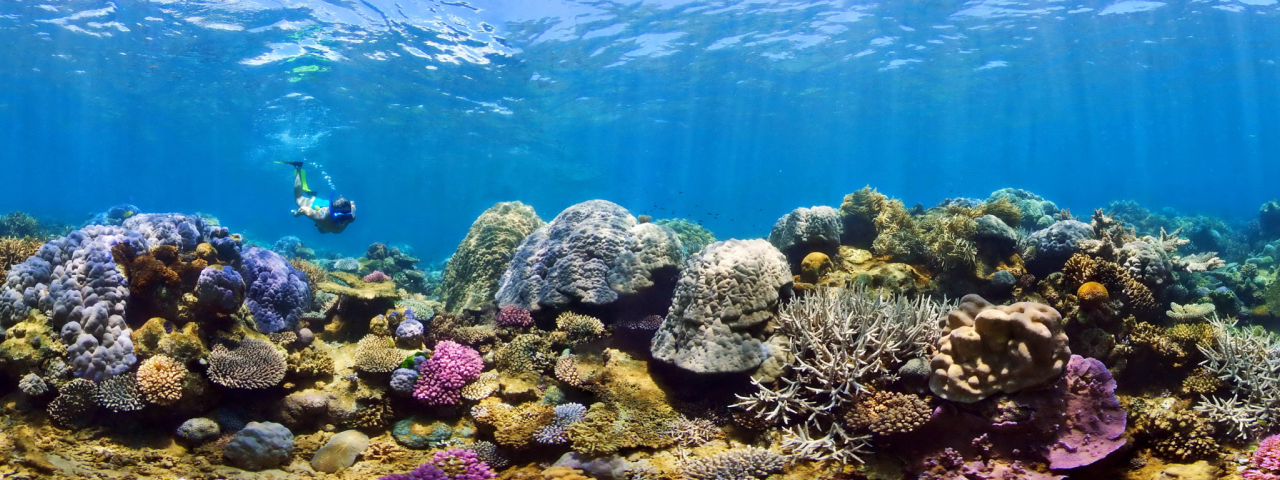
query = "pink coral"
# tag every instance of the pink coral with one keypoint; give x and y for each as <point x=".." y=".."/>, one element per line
<point x="376" y="277"/>
<point x="514" y="316"/>
<point x="1266" y="461"/>
<point x="452" y="366"/>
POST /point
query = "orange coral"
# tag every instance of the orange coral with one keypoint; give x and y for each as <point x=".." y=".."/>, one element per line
<point x="1093" y="293"/>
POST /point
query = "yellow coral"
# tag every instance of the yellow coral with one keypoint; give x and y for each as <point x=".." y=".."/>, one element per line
<point x="315" y="273"/>
<point x="514" y="425"/>
<point x="579" y="329"/>
<point x="15" y="250"/>
<point x="1093" y="294"/>
<point x="378" y="354"/>
<point x="815" y="266"/>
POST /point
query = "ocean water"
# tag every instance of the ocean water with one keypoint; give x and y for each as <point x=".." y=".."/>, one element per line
<point x="729" y="113"/>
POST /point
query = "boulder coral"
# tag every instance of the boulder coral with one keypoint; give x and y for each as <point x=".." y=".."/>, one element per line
<point x="806" y="230"/>
<point x="472" y="275"/>
<point x="592" y="253"/>
<point x="277" y="293"/>
<point x="986" y="349"/>
<point x="726" y="296"/>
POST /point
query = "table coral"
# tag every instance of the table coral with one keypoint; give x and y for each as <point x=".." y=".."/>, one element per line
<point x="472" y="275"/>
<point x="987" y="349"/>
<point x="726" y="293"/>
<point x="255" y="364"/>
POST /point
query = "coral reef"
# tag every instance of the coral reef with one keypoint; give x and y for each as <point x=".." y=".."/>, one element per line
<point x="254" y="364"/>
<point x="590" y="254"/>
<point x="806" y="230"/>
<point x="725" y="297"/>
<point x="451" y="367"/>
<point x="738" y="464"/>
<point x="472" y="275"/>
<point x="693" y="237"/>
<point x="277" y="294"/>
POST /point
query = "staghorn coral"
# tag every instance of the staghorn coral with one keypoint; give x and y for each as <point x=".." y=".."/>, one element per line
<point x="254" y="364"/>
<point x="692" y="432"/>
<point x="378" y="354"/>
<point x="564" y="416"/>
<point x="1197" y="312"/>
<point x="727" y="293"/>
<point x="738" y="464"/>
<point x="472" y="275"/>
<point x="986" y="349"/>
<point x="1244" y="358"/>
<point x="160" y="379"/>
<point x="886" y="413"/>
<point x="841" y="338"/>
<point x="567" y="370"/>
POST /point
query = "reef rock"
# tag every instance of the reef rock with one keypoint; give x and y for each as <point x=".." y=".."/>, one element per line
<point x="726" y="296"/>
<point x="1055" y="244"/>
<point x="472" y="275"/>
<point x="259" y="446"/>
<point x="591" y="253"/>
<point x="987" y="349"/>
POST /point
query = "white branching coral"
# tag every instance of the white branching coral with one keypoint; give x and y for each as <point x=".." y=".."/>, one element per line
<point x="841" y="338"/>
<point x="1249" y="360"/>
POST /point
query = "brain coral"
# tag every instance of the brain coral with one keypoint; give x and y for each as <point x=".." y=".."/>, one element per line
<point x="987" y="349"/>
<point x="254" y="364"/>
<point x="472" y="275"/>
<point x="73" y="281"/>
<point x="806" y="230"/>
<point x="591" y="253"/>
<point x="277" y="293"/>
<point x="726" y="295"/>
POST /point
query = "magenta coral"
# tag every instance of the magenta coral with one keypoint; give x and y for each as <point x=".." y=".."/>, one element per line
<point x="376" y="277"/>
<point x="514" y="316"/>
<point x="1266" y="461"/>
<point x="452" y="366"/>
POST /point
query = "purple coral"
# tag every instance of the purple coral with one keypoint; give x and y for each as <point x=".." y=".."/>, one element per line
<point x="403" y="380"/>
<point x="514" y="316"/>
<point x="452" y="366"/>
<point x="176" y="229"/>
<point x="277" y="294"/>
<point x="1266" y="461"/>
<point x="220" y="289"/>
<point x="1091" y="420"/>
<point x="452" y="464"/>
<point x="376" y="277"/>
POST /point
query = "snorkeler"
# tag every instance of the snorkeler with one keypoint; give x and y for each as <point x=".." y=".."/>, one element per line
<point x="331" y="216"/>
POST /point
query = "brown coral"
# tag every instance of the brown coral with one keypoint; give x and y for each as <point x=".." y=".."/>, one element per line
<point x="255" y="364"/>
<point x="378" y="354"/>
<point x="15" y="250"/>
<point x="564" y="473"/>
<point x="887" y="413"/>
<point x="514" y="425"/>
<point x="986" y="349"/>
<point x="1093" y="294"/>
<point x="528" y="352"/>
<point x="160" y="379"/>
<point x="578" y="329"/>
<point x="310" y="362"/>
<point x="315" y="273"/>
<point x="1081" y="269"/>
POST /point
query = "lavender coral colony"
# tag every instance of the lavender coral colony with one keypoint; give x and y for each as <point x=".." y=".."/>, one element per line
<point x="991" y="338"/>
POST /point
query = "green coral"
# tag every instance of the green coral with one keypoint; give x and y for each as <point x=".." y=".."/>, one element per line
<point x="693" y="237"/>
<point x="472" y="275"/>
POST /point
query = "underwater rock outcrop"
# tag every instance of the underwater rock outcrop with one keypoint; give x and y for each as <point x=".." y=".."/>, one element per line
<point x="472" y="275"/>
<point x="987" y="349"/>
<point x="806" y="230"/>
<point x="591" y="254"/>
<point x="726" y="296"/>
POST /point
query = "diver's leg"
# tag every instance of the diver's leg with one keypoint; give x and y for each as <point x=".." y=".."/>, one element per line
<point x="301" y="194"/>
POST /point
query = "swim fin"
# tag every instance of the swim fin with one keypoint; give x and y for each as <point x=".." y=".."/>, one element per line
<point x="302" y="174"/>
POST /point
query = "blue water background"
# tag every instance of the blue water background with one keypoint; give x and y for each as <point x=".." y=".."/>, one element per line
<point x="726" y="112"/>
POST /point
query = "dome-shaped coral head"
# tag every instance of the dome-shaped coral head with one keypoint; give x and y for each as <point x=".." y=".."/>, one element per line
<point x="1093" y="294"/>
<point x="376" y="277"/>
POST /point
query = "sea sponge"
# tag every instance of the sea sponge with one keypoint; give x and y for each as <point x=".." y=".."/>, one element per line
<point x="255" y="364"/>
<point x="815" y="266"/>
<point x="1093" y="294"/>
<point x="987" y="349"/>
<point x="472" y="275"/>
<point x="160" y="379"/>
